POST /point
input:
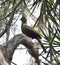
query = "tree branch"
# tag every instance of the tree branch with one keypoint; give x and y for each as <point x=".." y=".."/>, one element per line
<point x="11" y="18"/>
<point x="2" y="59"/>
<point x="14" y="42"/>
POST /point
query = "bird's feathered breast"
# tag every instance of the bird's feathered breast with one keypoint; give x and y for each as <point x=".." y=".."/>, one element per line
<point x="29" y="31"/>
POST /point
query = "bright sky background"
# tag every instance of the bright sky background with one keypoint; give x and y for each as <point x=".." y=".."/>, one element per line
<point x="21" y="57"/>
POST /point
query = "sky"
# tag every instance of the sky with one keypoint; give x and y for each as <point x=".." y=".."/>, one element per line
<point x="21" y="56"/>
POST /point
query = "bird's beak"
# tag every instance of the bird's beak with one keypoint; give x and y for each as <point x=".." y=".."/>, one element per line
<point x="21" y="19"/>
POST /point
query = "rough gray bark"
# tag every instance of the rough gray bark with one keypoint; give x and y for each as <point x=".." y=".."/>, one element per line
<point x="8" y="50"/>
<point x="2" y="59"/>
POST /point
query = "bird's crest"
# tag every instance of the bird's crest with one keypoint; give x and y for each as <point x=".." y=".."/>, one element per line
<point x="23" y="19"/>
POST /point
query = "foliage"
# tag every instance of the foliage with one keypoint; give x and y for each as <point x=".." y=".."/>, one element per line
<point x="48" y="23"/>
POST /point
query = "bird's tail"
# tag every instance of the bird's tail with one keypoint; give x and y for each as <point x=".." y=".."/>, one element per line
<point x="41" y="45"/>
<point x="37" y="61"/>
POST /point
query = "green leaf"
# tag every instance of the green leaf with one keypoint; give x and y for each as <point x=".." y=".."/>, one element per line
<point x="45" y="36"/>
<point x="14" y="2"/>
<point x="57" y="61"/>
<point x="58" y="36"/>
<point x="46" y="59"/>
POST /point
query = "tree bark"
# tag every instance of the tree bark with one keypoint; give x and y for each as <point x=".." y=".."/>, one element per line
<point x="8" y="51"/>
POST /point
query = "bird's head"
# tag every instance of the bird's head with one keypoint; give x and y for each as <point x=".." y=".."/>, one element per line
<point x="23" y="19"/>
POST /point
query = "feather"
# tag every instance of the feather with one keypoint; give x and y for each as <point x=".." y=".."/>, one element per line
<point x="31" y="32"/>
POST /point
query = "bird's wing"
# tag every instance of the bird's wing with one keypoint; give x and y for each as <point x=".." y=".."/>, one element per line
<point x="32" y="31"/>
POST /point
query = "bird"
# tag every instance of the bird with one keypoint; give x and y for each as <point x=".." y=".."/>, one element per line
<point x="30" y="31"/>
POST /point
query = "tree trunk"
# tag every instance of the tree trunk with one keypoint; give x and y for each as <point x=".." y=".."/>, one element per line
<point x="7" y="52"/>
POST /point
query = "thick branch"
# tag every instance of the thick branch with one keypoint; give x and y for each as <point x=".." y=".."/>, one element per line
<point x="2" y="59"/>
<point x="15" y="41"/>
